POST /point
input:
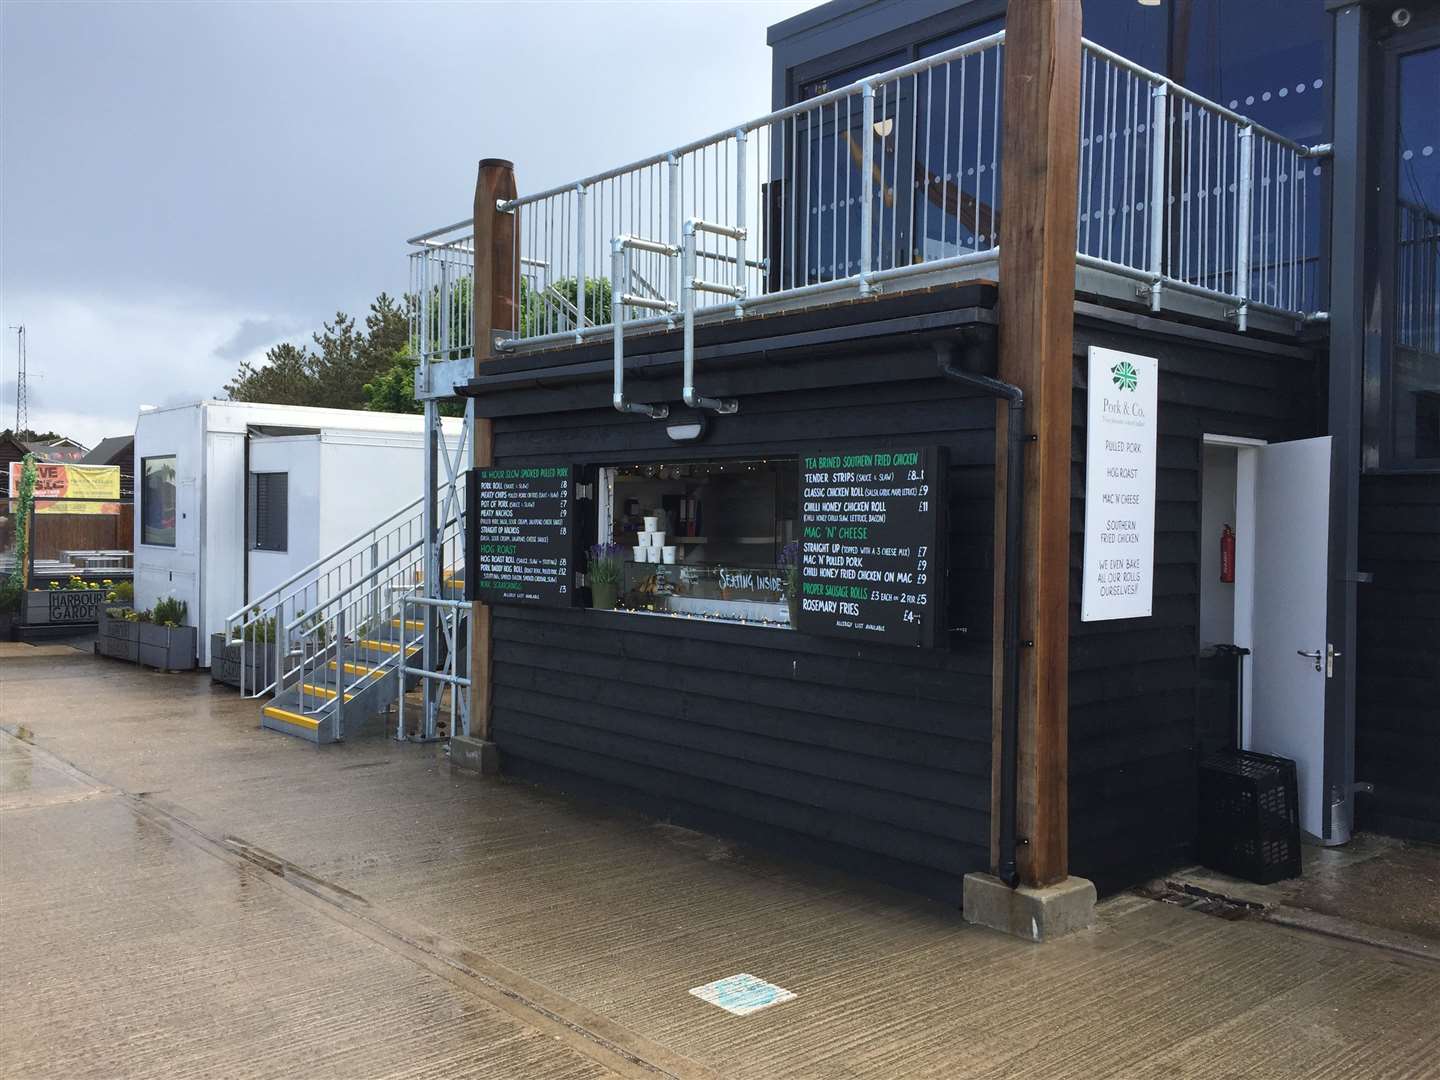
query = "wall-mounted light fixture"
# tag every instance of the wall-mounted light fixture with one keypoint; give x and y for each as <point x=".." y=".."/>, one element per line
<point x="688" y="429"/>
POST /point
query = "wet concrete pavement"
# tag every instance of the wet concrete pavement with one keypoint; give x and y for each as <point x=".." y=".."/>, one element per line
<point x="182" y="893"/>
<point x="1375" y="889"/>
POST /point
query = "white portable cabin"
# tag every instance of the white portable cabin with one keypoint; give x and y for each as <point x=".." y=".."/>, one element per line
<point x="240" y="496"/>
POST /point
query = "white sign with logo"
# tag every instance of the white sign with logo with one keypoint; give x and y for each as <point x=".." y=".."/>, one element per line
<point x="1119" y="575"/>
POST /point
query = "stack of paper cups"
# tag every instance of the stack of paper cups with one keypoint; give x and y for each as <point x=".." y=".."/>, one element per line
<point x="652" y="524"/>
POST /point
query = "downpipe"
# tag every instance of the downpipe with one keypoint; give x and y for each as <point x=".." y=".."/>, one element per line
<point x="1016" y="438"/>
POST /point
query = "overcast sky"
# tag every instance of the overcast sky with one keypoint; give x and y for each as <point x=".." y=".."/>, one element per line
<point x="182" y="185"/>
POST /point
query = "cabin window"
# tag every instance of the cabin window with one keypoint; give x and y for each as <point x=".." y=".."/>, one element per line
<point x="269" y="511"/>
<point x="704" y="539"/>
<point x="157" y="500"/>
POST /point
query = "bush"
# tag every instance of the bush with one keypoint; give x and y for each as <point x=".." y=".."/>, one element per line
<point x="123" y="593"/>
<point x="10" y="594"/>
<point x="168" y="612"/>
<point x="259" y="630"/>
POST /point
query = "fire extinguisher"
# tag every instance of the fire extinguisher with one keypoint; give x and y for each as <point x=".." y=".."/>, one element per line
<point x="1227" y="555"/>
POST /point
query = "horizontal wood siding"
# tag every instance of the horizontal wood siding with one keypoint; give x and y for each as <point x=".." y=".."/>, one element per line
<point x="872" y="758"/>
<point x="1133" y="682"/>
<point x="1397" y="696"/>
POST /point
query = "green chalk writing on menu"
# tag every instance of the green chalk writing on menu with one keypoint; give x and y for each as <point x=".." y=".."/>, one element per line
<point x="520" y="532"/>
<point x="872" y="540"/>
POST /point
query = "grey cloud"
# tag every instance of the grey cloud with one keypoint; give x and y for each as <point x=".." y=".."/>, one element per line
<point x="254" y="334"/>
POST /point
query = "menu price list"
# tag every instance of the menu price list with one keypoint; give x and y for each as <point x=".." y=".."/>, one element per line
<point x="870" y="544"/>
<point x="521" y="535"/>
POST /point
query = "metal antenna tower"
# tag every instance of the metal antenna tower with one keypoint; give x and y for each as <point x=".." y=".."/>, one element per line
<point x="22" y="409"/>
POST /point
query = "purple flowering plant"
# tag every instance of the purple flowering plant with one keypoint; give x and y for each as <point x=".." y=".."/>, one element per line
<point x="604" y="563"/>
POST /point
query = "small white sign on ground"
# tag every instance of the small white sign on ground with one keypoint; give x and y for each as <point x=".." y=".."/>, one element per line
<point x="742" y="994"/>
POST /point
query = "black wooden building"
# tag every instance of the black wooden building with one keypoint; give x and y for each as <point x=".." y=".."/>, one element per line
<point x="882" y="757"/>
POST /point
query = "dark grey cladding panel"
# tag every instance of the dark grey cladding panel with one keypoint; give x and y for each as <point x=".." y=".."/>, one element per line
<point x="1397" y="706"/>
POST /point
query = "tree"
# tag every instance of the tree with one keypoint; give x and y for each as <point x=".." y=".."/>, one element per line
<point x="372" y="367"/>
<point x="393" y="390"/>
<point x="27" y="435"/>
<point x="287" y="377"/>
<point x="334" y="375"/>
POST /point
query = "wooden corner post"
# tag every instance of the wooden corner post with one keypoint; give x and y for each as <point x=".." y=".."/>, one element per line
<point x="496" y="295"/>
<point x="1037" y="295"/>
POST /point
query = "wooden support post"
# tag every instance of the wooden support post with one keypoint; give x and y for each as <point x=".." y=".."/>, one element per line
<point x="1037" y="293"/>
<point x="496" y="294"/>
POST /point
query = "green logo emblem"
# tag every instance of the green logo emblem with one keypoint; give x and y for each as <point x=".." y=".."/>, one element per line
<point x="1124" y="375"/>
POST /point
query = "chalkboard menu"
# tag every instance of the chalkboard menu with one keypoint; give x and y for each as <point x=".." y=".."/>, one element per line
<point x="872" y="534"/>
<point x="520" y="535"/>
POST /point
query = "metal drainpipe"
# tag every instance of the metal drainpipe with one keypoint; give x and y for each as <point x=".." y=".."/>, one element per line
<point x="1014" y="531"/>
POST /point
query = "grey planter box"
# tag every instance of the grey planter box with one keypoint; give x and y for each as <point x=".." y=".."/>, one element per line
<point x="225" y="662"/>
<point x="118" y="638"/>
<point x="62" y="607"/>
<point x="166" y="648"/>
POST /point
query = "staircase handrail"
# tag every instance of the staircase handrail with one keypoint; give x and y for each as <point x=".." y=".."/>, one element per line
<point x="275" y="591"/>
<point x="365" y="582"/>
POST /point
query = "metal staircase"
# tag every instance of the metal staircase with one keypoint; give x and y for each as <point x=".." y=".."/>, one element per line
<point x="339" y="643"/>
<point x="348" y="658"/>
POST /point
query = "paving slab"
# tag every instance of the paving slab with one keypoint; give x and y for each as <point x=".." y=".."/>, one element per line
<point x="605" y="920"/>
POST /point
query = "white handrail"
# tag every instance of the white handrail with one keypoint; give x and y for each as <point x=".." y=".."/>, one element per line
<point x="374" y="530"/>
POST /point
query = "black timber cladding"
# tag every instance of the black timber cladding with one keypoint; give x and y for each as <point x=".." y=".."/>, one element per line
<point x="876" y="758"/>
<point x="1134" y="682"/>
<point x="1397" y="708"/>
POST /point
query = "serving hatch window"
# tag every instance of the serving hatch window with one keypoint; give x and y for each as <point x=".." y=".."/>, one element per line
<point x="705" y="539"/>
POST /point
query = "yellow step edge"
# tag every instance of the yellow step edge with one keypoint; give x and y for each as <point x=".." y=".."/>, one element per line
<point x="408" y="624"/>
<point x="386" y="646"/>
<point x="277" y="713"/>
<point x="322" y="691"/>
<point x="354" y="669"/>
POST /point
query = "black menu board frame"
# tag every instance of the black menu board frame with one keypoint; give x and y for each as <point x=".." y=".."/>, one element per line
<point x="543" y="484"/>
<point x="874" y="534"/>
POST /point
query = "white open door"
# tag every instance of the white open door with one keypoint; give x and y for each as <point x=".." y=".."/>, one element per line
<point x="1290" y="659"/>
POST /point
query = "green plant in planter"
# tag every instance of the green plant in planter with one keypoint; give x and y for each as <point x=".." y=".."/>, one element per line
<point x="169" y="612"/>
<point x="259" y="630"/>
<point x="123" y="593"/>
<point x="314" y="628"/>
<point x="10" y="594"/>
<point x="75" y="583"/>
<point x="604" y="568"/>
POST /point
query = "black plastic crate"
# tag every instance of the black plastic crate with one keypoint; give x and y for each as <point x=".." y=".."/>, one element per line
<point x="1249" y="816"/>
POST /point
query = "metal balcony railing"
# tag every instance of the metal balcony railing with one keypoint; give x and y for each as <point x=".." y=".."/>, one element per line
<point x="893" y="182"/>
<point x="1182" y="193"/>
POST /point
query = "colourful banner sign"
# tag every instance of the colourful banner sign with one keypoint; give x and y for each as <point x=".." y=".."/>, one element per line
<point x="96" y="484"/>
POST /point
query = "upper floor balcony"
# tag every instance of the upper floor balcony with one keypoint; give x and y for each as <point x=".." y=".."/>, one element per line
<point x="897" y="182"/>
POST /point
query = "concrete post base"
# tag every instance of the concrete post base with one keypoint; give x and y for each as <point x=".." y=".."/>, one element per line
<point x="475" y="754"/>
<point x="1032" y="914"/>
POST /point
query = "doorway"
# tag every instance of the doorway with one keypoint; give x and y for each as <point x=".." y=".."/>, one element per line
<point x="1263" y="589"/>
<point x="1227" y="587"/>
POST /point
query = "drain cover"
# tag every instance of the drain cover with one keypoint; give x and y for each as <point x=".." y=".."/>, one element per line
<point x="1197" y="899"/>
